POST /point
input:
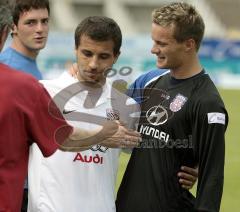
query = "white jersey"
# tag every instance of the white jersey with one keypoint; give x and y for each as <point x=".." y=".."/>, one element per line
<point x="82" y="181"/>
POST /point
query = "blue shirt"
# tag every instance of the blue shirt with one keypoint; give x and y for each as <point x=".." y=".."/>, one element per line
<point x="20" y="62"/>
<point x="136" y="88"/>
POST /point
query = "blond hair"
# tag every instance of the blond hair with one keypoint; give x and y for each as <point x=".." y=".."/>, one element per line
<point x="185" y="19"/>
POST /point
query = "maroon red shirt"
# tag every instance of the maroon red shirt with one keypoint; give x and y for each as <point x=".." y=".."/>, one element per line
<point x="24" y="119"/>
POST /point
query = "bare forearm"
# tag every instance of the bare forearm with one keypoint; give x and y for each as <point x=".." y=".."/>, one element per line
<point x="111" y="134"/>
<point x="81" y="139"/>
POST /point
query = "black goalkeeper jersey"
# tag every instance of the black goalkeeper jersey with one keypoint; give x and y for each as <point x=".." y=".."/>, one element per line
<point x="182" y="123"/>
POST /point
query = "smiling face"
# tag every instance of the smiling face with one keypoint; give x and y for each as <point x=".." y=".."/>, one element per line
<point x="94" y="58"/>
<point x="170" y="53"/>
<point x="31" y="32"/>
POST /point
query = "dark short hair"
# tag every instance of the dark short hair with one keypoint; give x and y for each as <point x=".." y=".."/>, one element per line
<point x="187" y="22"/>
<point x="20" y="6"/>
<point x="99" y="28"/>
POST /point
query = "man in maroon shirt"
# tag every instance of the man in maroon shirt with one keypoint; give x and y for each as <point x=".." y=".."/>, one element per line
<point x="24" y="114"/>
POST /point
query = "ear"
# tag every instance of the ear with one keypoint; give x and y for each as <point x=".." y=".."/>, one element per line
<point x="116" y="57"/>
<point x="190" y="45"/>
<point x="75" y="51"/>
<point x="14" y="29"/>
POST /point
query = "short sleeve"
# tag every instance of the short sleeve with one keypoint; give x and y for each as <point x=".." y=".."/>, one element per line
<point x="45" y="121"/>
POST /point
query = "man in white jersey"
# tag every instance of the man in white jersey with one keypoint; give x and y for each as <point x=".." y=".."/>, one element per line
<point x="90" y="174"/>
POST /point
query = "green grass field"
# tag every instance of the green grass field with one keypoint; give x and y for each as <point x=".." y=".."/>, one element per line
<point x="231" y="193"/>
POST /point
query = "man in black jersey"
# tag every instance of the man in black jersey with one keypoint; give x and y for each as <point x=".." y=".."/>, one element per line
<point x="183" y="122"/>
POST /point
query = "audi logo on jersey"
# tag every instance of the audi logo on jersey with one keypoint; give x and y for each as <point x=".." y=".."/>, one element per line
<point x="99" y="148"/>
<point x="157" y="115"/>
<point x="97" y="159"/>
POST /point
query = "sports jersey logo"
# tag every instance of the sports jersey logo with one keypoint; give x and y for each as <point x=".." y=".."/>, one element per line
<point x="216" y="118"/>
<point x="177" y="103"/>
<point x="157" y="115"/>
<point x="67" y="111"/>
<point x="88" y="158"/>
<point x="112" y="114"/>
<point x="99" y="148"/>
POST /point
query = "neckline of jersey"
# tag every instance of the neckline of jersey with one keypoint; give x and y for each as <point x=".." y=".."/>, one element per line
<point x="174" y="81"/>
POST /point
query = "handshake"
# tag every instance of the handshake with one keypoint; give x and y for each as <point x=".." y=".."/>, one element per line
<point x="112" y="134"/>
